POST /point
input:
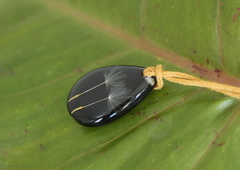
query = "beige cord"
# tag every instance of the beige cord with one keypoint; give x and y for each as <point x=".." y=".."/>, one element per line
<point x="186" y="79"/>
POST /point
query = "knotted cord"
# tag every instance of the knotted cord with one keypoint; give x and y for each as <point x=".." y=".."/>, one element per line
<point x="186" y="79"/>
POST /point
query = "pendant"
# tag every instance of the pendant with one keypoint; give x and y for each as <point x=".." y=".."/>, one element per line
<point x="105" y="94"/>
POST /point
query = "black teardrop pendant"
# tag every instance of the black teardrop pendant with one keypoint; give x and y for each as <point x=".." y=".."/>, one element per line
<point x="105" y="94"/>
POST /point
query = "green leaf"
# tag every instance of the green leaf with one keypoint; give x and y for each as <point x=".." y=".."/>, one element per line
<point x="47" y="45"/>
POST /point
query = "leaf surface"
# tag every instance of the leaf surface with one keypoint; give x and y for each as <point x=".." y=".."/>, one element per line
<point x="46" y="46"/>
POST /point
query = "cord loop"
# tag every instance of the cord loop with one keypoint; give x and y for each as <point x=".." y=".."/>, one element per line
<point x="188" y="80"/>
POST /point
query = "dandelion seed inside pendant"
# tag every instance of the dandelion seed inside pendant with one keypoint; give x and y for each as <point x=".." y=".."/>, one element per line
<point x="105" y="94"/>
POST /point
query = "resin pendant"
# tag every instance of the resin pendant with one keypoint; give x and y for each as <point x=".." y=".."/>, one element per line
<point x="107" y="93"/>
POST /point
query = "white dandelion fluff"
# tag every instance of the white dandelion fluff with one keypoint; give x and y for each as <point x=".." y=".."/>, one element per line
<point x="116" y="88"/>
<point x="117" y="92"/>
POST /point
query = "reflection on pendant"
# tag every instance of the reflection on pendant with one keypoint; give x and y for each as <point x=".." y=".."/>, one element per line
<point x="107" y="93"/>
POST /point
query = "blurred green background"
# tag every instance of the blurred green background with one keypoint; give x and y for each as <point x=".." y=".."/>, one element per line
<point x="47" y="45"/>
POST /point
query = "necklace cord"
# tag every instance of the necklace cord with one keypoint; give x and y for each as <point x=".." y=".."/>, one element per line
<point x="188" y="80"/>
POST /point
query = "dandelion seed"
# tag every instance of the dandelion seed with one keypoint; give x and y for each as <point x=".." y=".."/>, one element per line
<point x="116" y="88"/>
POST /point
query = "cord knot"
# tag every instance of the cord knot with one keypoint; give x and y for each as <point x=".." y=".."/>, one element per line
<point x="156" y="72"/>
<point x="188" y="80"/>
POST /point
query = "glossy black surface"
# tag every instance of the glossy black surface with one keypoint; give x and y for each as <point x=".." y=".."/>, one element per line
<point x="107" y="93"/>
